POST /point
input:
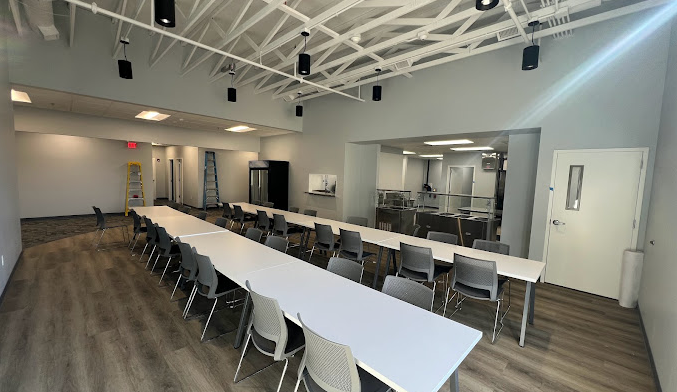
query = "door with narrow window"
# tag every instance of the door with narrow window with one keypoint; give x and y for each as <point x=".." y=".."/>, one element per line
<point x="595" y="204"/>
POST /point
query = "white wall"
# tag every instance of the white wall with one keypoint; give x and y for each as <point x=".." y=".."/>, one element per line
<point x="67" y="175"/>
<point x="360" y="185"/>
<point x="485" y="180"/>
<point x="160" y="168"/>
<point x="190" y="171"/>
<point x="414" y="175"/>
<point x="233" y="171"/>
<point x="391" y="171"/>
<point x="10" y="230"/>
<point x="657" y="293"/>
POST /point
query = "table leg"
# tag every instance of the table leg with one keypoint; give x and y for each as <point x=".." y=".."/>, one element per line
<point x="244" y="318"/>
<point x="525" y="312"/>
<point x="378" y="266"/>
<point x="453" y="382"/>
<point x="531" y="305"/>
<point x="391" y="256"/>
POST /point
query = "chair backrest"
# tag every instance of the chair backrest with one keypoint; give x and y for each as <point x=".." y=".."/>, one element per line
<point x="310" y="212"/>
<point x="324" y="235"/>
<point x="294" y="209"/>
<point x="277" y="243"/>
<point x="491" y="246"/>
<point x="137" y="221"/>
<point x="256" y="202"/>
<point x="346" y="268"/>
<point x="263" y="222"/>
<point x="202" y="215"/>
<point x="206" y="275"/>
<point x="221" y="222"/>
<point x="163" y="240"/>
<point x="254" y="234"/>
<point x="330" y="365"/>
<point x="227" y="211"/>
<point x="268" y="204"/>
<point x="475" y="273"/>
<point x="358" y="220"/>
<point x="188" y="262"/>
<point x="151" y="234"/>
<point x="280" y="226"/>
<point x="238" y="213"/>
<point x="417" y="259"/>
<point x="185" y="209"/>
<point x="414" y="233"/>
<point x="442" y="237"/>
<point x="351" y="242"/>
<point x="268" y="320"/>
<point x="100" y="218"/>
<point x="409" y="291"/>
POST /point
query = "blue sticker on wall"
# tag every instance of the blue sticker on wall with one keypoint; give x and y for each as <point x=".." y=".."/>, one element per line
<point x="552" y="189"/>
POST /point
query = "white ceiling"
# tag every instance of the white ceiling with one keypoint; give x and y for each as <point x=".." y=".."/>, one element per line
<point x="67" y="102"/>
<point x="417" y="145"/>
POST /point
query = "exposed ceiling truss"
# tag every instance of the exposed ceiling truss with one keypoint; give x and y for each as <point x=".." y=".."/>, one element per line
<point x="348" y="38"/>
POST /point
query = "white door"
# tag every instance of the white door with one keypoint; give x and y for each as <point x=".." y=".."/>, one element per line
<point x="594" y="216"/>
<point x="178" y="181"/>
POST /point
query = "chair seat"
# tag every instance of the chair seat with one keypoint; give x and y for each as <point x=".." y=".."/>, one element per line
<point x="368" y="383"/>
<point x="353" y="255"/>
<point x="423" y="277"/>
<point x="295" y="339"/>
<point x="141" y="230"/>
<point x="321" y="246"/>
<point x="294" y="230"/>
<point x="479" y="293"/>
<point x="173" y="252"/>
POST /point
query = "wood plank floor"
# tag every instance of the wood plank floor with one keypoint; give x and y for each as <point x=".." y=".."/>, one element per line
<point x="74" y="319"/>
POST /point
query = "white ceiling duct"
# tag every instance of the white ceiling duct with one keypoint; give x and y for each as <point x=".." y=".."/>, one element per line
<point x="40" y="16"/>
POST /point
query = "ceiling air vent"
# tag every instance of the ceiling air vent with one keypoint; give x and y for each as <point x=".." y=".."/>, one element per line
<point x="400" y="65"/>
<point x="507" y="34"/>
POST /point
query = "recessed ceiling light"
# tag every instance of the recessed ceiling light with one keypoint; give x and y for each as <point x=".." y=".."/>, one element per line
<point x="408" y="153"/>
<point x="157" y="144"/>
<point x="439" y="159"/>
<point x="473" y="148"/>
<point x="432" y="156"/>
<point x="20" y="96"/>
<point x="449" y="142"/>
<point x="152" y="115"/>
<point x="356" y="38"/>
<point x="240" y="128"/>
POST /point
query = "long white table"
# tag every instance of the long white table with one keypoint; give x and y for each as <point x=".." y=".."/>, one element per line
<point x="177" y="223"/>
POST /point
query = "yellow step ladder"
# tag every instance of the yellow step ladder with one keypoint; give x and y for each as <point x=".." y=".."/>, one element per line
<point x="134" y="186"/>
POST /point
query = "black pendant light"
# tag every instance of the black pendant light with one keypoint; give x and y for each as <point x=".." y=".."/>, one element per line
<point x="485" y="5"/>
<point x="304" y="58"/>
<point x="530" y="53"/>
<point x="125" y="66"/>
<point x="376" y="90"/>
<point x="299" y="105"/>
<point x="165" y="14"/>
<point x="232" y="92"/>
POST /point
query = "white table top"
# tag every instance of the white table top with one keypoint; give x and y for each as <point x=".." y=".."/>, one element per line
<point x="155" y="212"/>
<point x="406" y="347"/>
<point x="509" y="266"/>
<point x="182" y="225"/>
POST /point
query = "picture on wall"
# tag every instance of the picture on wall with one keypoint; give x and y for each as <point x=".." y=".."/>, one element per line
<point x="322" y="184"/>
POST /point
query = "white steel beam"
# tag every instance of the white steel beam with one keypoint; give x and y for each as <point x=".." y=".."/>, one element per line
<point x="123" y="7"/>
<point x="511" y="11"/>
<point x="199" y="39"/>
<point x="71" y="36"/>
<point x="16" y="14"/>
<point x="117" y="45"/>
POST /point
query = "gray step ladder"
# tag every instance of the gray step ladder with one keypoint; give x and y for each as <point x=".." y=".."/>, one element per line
<point x="210" y="196"/>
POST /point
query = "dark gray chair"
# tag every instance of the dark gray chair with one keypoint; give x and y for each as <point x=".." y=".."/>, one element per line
<point x="221" y="222"/>
<point x="277" y="243"/>
<point x="491" y="246"/>
<point x="102" y="225"/>
<point x="187" y="268"/>
<point x="443" y="237"/>
<point x="409" y="291"/>
<point x="271" y="333"/>
<point x="324" y="240"/>
<point x="329" y="366"/>
<point x="209" y="284"/>
<point x="185" y="209"/>
<point x="414" y="232"/>
<point x="263" y="222"/>
<point x="345" y="268"/>
<point x="294" y="209"/>
<point x="256" y="202"/>
<point x="166" y="249"/>
<point x="417" y="264"/>
<point x="282" y="229"/>
<point x="358" y="220"/>
<point x="268" y="204"/>
<point x="478" y="279"/>
<point x="202" y="215"/>
<point x="227" y="211"/>
<point x="138" y="229"/>
<point x="352" y="248"/>
<point x="151" y="238"/>
<point x="310" y="212"/>
<point x="239" y="217"/>
<point x="254" y="234"/>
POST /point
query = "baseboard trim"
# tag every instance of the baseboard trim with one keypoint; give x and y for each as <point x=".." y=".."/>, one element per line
<point x="11" y="275"/>
<point x="657" y="381"/>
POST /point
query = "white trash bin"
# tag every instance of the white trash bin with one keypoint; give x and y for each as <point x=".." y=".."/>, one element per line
<point x="631" y="274"/>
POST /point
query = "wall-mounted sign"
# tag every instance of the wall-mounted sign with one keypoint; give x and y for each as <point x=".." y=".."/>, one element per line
<point x="131" y="145"/>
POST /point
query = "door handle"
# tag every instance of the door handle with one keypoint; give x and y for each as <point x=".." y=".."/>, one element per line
<point x="558" y="222"/>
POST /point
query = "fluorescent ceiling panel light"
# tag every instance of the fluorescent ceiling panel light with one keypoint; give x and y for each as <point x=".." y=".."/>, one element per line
<point x="408" y="153"/>
<point x="240" y="128"/>
<point x="432" y="156"/>
<point x="449" y="142"/>
<point x="20" y="96"/>
<point x="486" y="148"/>
<point x="152" y="115"/>
<point x="439" y="159"/>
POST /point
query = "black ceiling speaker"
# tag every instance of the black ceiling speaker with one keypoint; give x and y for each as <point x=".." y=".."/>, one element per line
<point x="125" y="66"/>
<point x="377" y="89"/>
<point x="165" y="13"/>
<point x="304" y="58"/>
<point x="530" y="53"/>
<point x="485" y="5"/>
<point x="299" y="110"/>
<point x="232" y="94"/>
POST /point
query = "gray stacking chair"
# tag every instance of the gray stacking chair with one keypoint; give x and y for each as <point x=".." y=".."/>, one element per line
<point x="282" y="229"/>
<point x="409" y="291"/>
<point x="166" y="249"/>
<point x="221" y="222"/>
<point x="268" y="204"/>
<point x="417" y="263"/>
<point x="185" y="209"/>
<point x="239" y="217"/>
<point x="202" y="215"/>
<point x="491" y="246"/>
<point x="294" y="209"/>
<point x="227" y="211"/>
<point x="151" y="238"/>
<point x="187" y="268"/>
<point x="478" y="279"/>
<point x="328" y="366"/>
<point x="277" y="243"/>
<point x="352" y="248"/>
<point x="263" y="222"/>
<point x="209" y="284"/>
<point x="414" y="232"/>
<point x="103" y="226"/>
<point x="138" y="229"/>
<point x="358" y="220"/>
<point x="442" y="237"/>
<point x="310" y="212"/>
<point x="254" y="234"/>
<point x="272" y="334"/>
<point x="346" y="268"/>
<point x="324" y="240"/>
<point x="256" y="202"/>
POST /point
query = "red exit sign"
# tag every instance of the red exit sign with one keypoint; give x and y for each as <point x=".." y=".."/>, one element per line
<point x="131" y="145"/>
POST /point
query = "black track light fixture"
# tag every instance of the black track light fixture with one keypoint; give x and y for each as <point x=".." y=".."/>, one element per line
<point x="125" y="66"/>
<point x="299" y="105"/>
<point x="485" y="5"/>
<point x="304" y="58"/>
<point x="530" y="53"/>
<point x="165" y="13"/>
<point x="232" y="92"/>
<point x="377" y="89"/>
